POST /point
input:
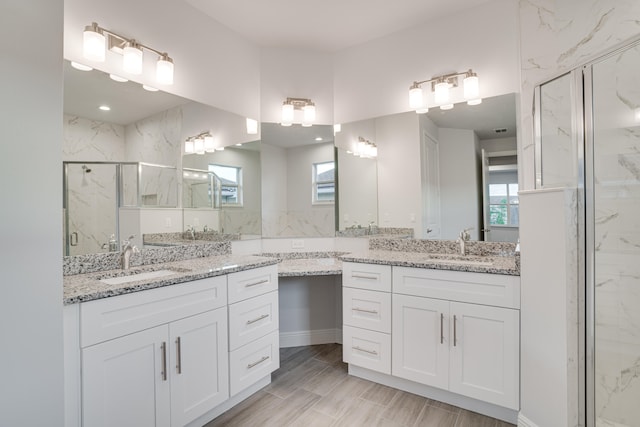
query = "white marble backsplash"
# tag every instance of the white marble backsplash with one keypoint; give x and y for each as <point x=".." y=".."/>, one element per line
<point x="313" y="223"/>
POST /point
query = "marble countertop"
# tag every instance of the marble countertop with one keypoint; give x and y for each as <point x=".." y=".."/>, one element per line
<point x="494" y="264"/>
<point x="87" y="287"/>
<point x="309" y="267"/>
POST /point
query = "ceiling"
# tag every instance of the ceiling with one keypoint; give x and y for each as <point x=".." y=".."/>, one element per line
<point x="326" y="25"/>
<point x="295" y="135"/>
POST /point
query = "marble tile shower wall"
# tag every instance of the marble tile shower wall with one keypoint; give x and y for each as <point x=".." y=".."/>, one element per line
<point x="556" y="36"/>
<point x="313" y="223"/>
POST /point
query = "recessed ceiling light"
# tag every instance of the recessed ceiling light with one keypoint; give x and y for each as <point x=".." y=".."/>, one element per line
<point x="105" y="108"/>
<point x="149" y="88"/>
<point x="318" y="138"/>
<point x="117" y="78"/>
<point x="81" y="67"/>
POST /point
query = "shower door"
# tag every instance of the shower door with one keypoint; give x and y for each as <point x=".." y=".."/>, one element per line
<point x="91" y="206"/>
<point x="612" y="131"/>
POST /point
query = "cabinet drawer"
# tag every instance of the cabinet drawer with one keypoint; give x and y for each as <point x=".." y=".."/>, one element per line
<point x="479" y="288"/>
<point x="368" y="349"/>
<point x="253" y="318"/>
<point x="367" y="309"/>
<point x="253" y="361"/>
<point x="113" y="317"/>
<point x="250" y="283"/>
<point x="372" y="277"/>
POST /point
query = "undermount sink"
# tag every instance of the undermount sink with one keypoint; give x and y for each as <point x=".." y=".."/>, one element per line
<point x="135" y="276"/>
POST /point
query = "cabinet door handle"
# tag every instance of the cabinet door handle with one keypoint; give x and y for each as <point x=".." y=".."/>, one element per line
<point x="364" y="310"/>
<point x="178" y="356"/>
<point x="455" y="335"/>
<point x="359" y="276"/>
<point x="257" y="319"/>
<point x="441" y="328"/>
<point x="251" y="365"/>
<point x="163" y="347"/>
<point x="259" y="282"/>
<point x="375" y="353"/>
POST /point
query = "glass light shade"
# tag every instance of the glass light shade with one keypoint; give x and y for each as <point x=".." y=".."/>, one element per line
<point x="360" y="149"/>
<point x="93" y="43"/>
<point x="198" y="145"/>
<point x="337" y="128"/>
<point x="309" y="116"/>
<point x="189" y="147"/>
<point x="471" y="87"/>
<point x="415" y="98"/>
<point x="81" y="67"/>
<point x="446" y="107"/>
<point x="220" y="148"/>
<point x="132" y="59"/>
<point x="252" y="126"/>
<point x="164" y="70"/>
<point x="117" y="78"/>
<point x="474" y="101"/>
<point x="149" y="88"/>
<point x="422" y="110"/>
<point x="442" y="93"/>
<point x="208" y="144"/>
<point x="287" y="114"/>
<point x="372" y="151"/>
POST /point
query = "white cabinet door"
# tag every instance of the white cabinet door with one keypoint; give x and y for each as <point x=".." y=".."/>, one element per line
<point x="484" y="353"/>
<point x="420" y="340"/>
<point x="198" y="365"/>
<point x="125" y="381"/>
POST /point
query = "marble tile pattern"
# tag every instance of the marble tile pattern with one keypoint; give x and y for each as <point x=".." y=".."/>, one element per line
<point x="376" y="232"/>
<point x="91" y="263"/>
<point x="444" y="246"/>
<point x="319" y="222"/>
<point x="297" y="264"/>
<point x="185" y="238"/>
<point x="156" y="139"/>
<point x="87" y="287"/>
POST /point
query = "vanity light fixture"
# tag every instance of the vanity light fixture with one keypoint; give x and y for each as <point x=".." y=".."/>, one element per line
<point x="200" y="143"/>
<point x="94" y="48"/>
<point x="252" y="126"/>
<point x="337" y="128"/>
<point x="365" y="149"/>
<point x="291" y="104"/>
<point x="441" y="87"/>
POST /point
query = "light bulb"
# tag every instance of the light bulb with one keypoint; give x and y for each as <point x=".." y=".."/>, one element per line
<point x="164" y="70"/>
<point x="309" y="114"/>
<point x="415" y="97"/>
<point x="189" y="147"/>
<point x="287" y="114"/>
<point x="208" y="144"/>
<point x="252" y="126"/>
<point x="442" y="92"/>
<point x="471" y="86"/>
<point x="132" y="58"/>
<point x="93" y="43"/>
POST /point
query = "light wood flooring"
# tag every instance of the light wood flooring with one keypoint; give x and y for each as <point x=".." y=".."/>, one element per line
<point x="312" y="388"/>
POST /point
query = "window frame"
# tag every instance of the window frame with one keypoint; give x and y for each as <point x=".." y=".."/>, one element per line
<point x="315" y="184"/>
<point x="239" y="186"/>
<point x="508" y="205"/>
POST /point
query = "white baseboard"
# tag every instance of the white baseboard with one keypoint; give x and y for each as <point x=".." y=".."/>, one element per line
<point x="525" y="422"/>
<point x="318" y="336"/>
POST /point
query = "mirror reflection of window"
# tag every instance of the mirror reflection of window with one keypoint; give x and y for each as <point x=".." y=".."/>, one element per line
<point x="503" y="204"/>
<point x="231" y="179"/>
<point x="324" y="185"/>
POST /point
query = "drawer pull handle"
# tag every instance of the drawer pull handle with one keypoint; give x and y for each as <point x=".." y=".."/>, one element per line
<point x="375" y="353"/>
<point x="441" y="328"/>
<point x="359" y="276"/>
<point x="257" y="319"/>
<point x="163" y="347"/>
<point x="364" y="310"/>
<point x="251" y="365"/>
<point x="259" y="282"/>
<point x="455" y="335"/>
<point x="178" y="356"/>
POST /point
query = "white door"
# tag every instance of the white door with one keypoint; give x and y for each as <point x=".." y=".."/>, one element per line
<point x="485" y="353"/>
<point x="420" y="340"/>
<point x="198" y="365"/>
<point x="486" y="219"/>
<point x="124" y="381"/>
<point x="430" y="188"/>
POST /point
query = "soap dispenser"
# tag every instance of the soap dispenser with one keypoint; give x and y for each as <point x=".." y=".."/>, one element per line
<point x="113" y="244"/>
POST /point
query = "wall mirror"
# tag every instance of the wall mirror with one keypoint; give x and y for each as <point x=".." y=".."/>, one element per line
<point x="469" y="177"/>
<point x="298" y="181"/>
<point x="110" y="124"/>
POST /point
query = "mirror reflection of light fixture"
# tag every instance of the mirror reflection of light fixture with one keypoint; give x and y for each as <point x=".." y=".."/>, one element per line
<point x="291" y="104"/>
<point x="94" y="46"/>
<point x="441" y="87"/>
<point x="252" y="126"/>
<point x="200" y="143"/>
<point x="365" y="149"/>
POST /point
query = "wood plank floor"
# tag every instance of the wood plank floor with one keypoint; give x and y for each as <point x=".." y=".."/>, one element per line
<point x="312" y="388"/>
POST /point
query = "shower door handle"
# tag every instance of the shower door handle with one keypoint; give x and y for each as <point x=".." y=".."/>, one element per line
<point x="73" y="239"/>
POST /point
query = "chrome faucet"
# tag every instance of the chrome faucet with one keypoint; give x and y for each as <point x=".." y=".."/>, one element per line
<point x="372" y="227"/>
<point x="462" y="239"/>
<point x="127" y="250"/>
<point x="205" y="228"/>
<point x="192" y="231"/>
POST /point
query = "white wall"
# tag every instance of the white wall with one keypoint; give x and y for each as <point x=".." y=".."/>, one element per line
<point x="373" y="79"/>
<point x="31" y="219"/>
<point x="213" y="65"/>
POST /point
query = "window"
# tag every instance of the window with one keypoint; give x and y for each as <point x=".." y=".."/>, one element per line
<point x="324" y="185"/>
<point x="231" y="179"/>
<point x="503" y="204"/>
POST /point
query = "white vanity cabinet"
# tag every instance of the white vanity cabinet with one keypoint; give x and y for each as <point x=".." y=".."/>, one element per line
<point x="167" y="374"/>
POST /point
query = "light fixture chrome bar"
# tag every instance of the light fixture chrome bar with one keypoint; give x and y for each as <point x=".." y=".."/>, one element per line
<point x="449" y="78"/>
<point x="123" y="40"/>
<point x="298" y="103"/>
